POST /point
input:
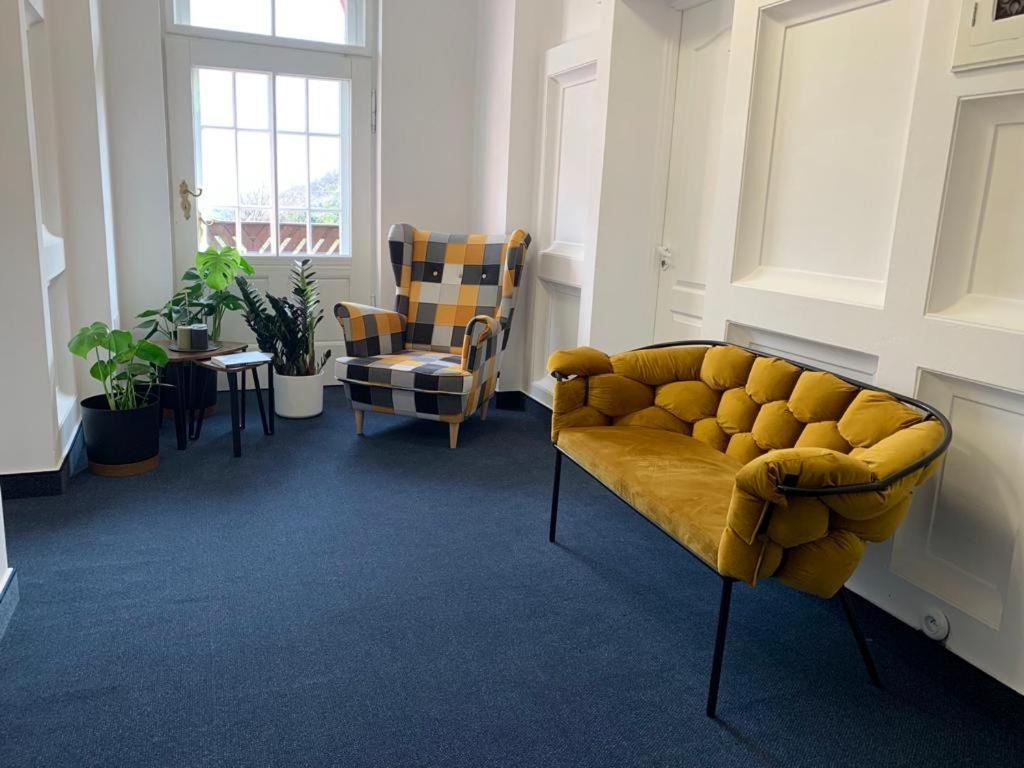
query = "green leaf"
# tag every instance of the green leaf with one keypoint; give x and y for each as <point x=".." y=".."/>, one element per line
<point x="151" y="353"/>
<point x="148" y="313"/>
<point x="101" y="370"/>
<point x="121" y="342"/>
<point x="217" y="268"/>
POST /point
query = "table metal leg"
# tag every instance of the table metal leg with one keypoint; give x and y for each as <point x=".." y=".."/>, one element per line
<point x="242" y="424"/>
<point x="192" y="370"/>
<point x="202" y="400"/>
<point x="179" y="406"/>
<point x="270" y="395"/>
<point x="236" y="433"/>
<point x="259" y="401"/>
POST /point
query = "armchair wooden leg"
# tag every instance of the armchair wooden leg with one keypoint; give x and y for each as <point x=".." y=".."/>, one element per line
<point x="716" y="663"/>
<point x="453" y="434"/>
<point x="359" y="421"/>
<point x="483" y="410"/>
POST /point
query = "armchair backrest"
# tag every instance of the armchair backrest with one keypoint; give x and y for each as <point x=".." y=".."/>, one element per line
<point x="442" y="281"/>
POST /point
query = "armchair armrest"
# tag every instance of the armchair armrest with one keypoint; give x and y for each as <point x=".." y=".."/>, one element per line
<point x="369" y="330"/>
<point x="820" y="506"/>
<point x="480" y="342"/>
<point x="582" y="361"/>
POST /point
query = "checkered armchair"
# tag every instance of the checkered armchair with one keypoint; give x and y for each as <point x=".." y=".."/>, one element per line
<point x="438" y="354"/>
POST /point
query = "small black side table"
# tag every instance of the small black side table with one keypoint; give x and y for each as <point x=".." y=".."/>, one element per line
<point x="237" y="395"/>
<point x="177" y="362"/>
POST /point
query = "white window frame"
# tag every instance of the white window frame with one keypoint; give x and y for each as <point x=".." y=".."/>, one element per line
<point x="368" y="48"/>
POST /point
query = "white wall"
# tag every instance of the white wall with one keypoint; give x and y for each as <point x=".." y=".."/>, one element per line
<point x="137" y="125"/>
<point x="29" y="376"/>
<point x="426" y="101"/>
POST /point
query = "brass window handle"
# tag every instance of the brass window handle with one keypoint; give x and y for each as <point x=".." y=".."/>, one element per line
<point x="184" y="193"/>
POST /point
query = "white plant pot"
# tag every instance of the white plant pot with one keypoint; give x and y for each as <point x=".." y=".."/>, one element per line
<point x="298" y="397"/>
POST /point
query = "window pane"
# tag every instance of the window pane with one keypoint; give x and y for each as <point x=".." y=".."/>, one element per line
<point x="341" y="22"/>
<point x="252" y="99"/>
<point x="236" y="15"/>
<point x="254" y="180"/>
<point x="256" y="230"/>
<point x="291" y="103"/>
<point x="215" y="97"/>
<point x="218" y="177"/>
<point x="324" y="171"/>
<point x="326" y="232"/>
<point x="293" y="231"/>
<point x="220" y="227"/>
<point x="291" y="171"/>
<point x="254" y="175"/>
<point x="324" y="106"/>
<point x="321" y="20"/>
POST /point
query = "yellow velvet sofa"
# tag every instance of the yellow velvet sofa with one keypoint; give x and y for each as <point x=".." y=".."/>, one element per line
<point x="759" y="466"/>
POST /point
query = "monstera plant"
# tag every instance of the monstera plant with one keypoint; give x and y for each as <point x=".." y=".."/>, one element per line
<point x="204" y="295"/>
<point x="122" y="425"/>
<point x="285" y="327"/>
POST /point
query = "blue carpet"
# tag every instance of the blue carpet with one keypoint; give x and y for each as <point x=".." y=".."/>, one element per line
<point x="328" y="600"/>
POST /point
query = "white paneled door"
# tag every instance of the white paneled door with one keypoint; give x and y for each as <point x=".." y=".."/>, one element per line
<point x="840" y="196"/>
<point x="696" y="139"/>
<point x="276" y="144"/>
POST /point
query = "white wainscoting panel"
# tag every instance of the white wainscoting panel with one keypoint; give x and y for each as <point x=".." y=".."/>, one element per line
<point x="964" y="532"/>
<point x="575" y="150"/>
<point x="829" y="116"/>
<point x="978" y="275"/>
<point x="845" y="362"/>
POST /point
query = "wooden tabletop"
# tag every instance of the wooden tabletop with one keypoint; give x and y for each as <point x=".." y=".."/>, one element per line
<point x="225" y="348"/>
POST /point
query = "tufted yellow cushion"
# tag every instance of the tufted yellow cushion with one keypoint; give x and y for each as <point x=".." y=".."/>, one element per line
<point x="582" y="361"/>
<point x="822" y="567"/>
<point x="873" y="416"/>
<point x="688" y="400"/>
<point x="655" y="417"/>
<point x="776" y="426"/>
<point x="771" y="379"/>
<point x="660" y="366"/>
<point x="726" y="367"/>
<point x="708" y="431"/>
<point x="736" y="411"/>
<point x="822" y="434"/>
<point x="743" y="448"/>
<point x="615" y="395"/>
<point x="820" y="396"/>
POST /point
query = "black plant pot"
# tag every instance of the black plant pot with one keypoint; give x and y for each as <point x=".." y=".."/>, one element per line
<point x="204" y="394"/>
<point x="121" y="443"/>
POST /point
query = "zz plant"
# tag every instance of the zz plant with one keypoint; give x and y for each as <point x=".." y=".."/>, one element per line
<point x="127" y="368"/>
<point x="285" y="326"/>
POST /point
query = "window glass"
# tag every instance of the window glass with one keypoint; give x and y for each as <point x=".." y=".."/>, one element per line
<point x="340" y="22"/>
<point x="279" y="192"/>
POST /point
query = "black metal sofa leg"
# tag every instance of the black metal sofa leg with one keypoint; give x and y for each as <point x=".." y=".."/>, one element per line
<point x="716" y="663"/>
<point x="554" y="495"/>
<point x="862" y="644"/>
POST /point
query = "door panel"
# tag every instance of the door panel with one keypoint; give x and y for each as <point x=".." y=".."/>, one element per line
<point x="700" y="92"/>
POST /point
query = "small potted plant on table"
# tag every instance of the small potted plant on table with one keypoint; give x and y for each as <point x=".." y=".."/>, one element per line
<point x="122" y="426"/>
<point x="205" y="296"/>
<point x="287" y="330"/>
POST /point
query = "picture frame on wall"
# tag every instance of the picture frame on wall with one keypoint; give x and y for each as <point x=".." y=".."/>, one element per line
<point x="991" y="33"/>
